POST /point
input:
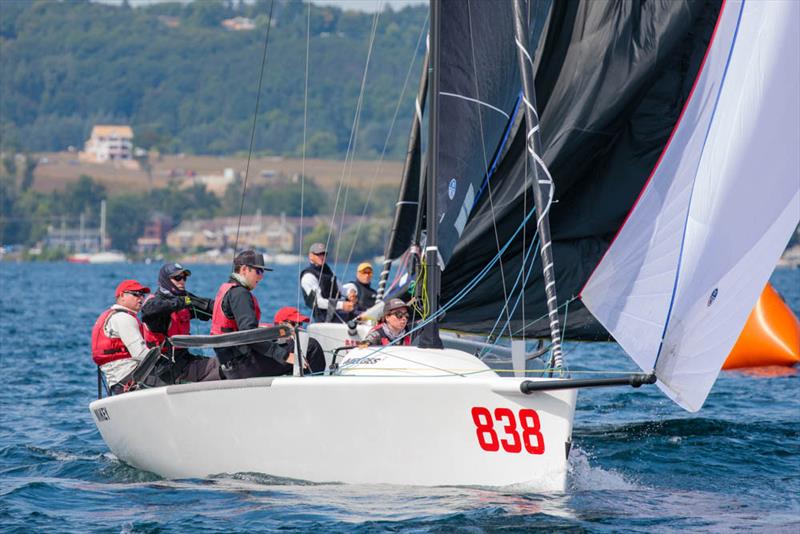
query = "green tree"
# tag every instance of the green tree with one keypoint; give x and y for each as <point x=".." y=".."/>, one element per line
<point x="127" y="215"/>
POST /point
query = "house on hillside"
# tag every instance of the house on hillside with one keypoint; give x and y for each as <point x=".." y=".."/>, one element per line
<point x="256" y="231"/>
<point x="239" y="24"/>
<point x="154" y="234"/>
<point x="110" y="143"/>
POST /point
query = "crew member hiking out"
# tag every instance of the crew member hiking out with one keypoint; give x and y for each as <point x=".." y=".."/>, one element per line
<point x="321" y="290"/>
<point x="235" y="309"/>
<point x="117" y="341"/>
<point x="168" y="313"/>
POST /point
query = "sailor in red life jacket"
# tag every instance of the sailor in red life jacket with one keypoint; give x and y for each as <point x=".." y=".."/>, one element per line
<point x="117" y="341"/>
<point x="392" y="329"/>
<point x="314" y="355"/>
<point x="167" y="313"/>
<point x="235" y="309"/>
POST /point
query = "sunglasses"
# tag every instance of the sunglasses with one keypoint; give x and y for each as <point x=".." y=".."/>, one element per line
<point x="137" y="294"/>
<point x="320" y="253"/>
<point x="401" y="315"/>
<point x="259" y="271"/>
<point x="180" y="277"/>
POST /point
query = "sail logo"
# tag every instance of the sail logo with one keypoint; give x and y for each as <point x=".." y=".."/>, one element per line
<point x="713" y="297"/>
<point x="466" y="208"/>
<point x="451" y="188"/>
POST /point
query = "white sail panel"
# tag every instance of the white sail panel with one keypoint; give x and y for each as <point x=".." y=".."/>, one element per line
<point x="745" y="205"/>
<point x="738" y="181"/>
<point x="631" y="289"/>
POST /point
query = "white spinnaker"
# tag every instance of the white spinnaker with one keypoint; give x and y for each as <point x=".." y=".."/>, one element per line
<point x="680" y="279"/>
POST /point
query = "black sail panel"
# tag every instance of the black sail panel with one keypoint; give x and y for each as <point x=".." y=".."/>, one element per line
<point x="478" y="93"/>
<point x="611" y="82"/>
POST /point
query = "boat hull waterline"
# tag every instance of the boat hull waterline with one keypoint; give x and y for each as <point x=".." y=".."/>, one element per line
<point x="360" y="429"/>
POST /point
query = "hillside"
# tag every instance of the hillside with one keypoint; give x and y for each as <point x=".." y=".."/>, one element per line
<point x="186" y="84"/>
<point x="55" y="171"/>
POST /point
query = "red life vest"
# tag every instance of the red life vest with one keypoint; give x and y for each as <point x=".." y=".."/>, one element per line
<point x="220" y="323"/>
<point x="179" y="325"/>
<point x="385" y="339"/>
<point x="107" y="349"/>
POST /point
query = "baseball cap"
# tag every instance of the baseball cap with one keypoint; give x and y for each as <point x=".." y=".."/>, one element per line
<point x="250" y="258"/>
<point x="290" y="313"/>
<point x="363" y="266"/>
<point x="394" y="304"/>
<point x="130" y="285"/>
<point x="173" y="269"/>
<point x="317" y="248"/>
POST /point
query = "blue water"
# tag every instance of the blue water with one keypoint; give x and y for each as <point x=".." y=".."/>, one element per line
<point x="639" y="463"/>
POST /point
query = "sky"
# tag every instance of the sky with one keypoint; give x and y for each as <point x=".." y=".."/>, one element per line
<point x="357" y="5"/>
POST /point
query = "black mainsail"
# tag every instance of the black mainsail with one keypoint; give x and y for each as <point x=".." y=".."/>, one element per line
<point x="611" y="80"/>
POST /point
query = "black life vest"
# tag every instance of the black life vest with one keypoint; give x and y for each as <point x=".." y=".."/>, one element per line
<point x="366" y="296"/>
<point x="328" y="286"/>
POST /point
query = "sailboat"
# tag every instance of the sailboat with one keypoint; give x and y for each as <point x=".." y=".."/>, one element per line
<point x="668" y="130"/>
<point x="103" y="255"/>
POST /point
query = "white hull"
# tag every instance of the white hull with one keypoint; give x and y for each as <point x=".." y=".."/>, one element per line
<point x="359" y="427"/>
<point x="98" y="257"/>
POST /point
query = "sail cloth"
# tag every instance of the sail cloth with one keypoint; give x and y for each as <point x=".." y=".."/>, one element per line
<point x="611" y="81"/>
<point x="478" y="91"/>
<point x="680" y="279"/>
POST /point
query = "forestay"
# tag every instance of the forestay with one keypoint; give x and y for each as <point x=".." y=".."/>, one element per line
<point x="680" y="279"/>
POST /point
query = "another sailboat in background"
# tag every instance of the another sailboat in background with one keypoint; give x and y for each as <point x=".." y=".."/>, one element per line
<point x="103" y="255"/>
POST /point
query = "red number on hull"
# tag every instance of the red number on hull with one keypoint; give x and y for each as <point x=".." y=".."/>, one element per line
<point x="483" y="422"/>
<point x="532" y="439"/>
<point x="510" y="427"/>
<point x="531" y="428"/>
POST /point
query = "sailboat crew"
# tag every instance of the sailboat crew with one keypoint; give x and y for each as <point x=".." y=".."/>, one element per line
<point x="118" y="343"/>
<point x="321" y="290"/>
<point x="361" y="286"/>
<point x="392" y="328"/>
<point x="235" y="309"/>
<point x="167" y="313"/>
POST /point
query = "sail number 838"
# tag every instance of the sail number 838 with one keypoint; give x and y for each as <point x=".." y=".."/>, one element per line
<point x="512" y="436"/>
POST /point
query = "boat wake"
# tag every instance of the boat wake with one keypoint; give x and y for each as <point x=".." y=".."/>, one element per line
<point x="582" y="476"/>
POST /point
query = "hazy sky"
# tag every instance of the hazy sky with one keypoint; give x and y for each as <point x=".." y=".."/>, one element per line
<point x="360" y="5"/>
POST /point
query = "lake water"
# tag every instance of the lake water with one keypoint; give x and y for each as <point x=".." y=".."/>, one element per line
<point x="639" y="463"/>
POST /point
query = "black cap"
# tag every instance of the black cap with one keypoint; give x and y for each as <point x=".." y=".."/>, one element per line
<point x="172" y="269"/>
<point x="250" y="258"/>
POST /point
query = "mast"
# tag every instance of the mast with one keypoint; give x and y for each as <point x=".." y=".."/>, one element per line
<point x="430" y="333"/>
<point x="102" y="226"/>
<point x="411" y="171"/>
<point x="533" y="149"/>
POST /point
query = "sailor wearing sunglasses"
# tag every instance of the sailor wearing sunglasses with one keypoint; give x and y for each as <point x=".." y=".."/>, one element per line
<point x="168" y="313"/>
<point x="236" y="308"/>
<point x="117" y="342"/>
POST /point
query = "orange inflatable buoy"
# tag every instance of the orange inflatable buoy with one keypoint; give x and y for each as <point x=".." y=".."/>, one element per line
<point x="771" y="335"/>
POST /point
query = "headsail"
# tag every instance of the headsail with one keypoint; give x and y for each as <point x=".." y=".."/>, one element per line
<point x="683" y="274"/>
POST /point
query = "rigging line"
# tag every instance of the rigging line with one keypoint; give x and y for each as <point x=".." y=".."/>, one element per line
<point x="486" y="162"/>
<point x="475" y="100"/>
<point x="303" y="164"/>
<point x="476" y="279"/>
<point x="351" y="143"/>
<point x="253" y="130"/>
<point x="386" y="141"/>
<point x="531" y="248"/>
<point x="546" y="315"/>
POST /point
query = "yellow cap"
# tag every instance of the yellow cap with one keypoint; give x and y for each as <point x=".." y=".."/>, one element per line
<point x="364" y="266"/>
